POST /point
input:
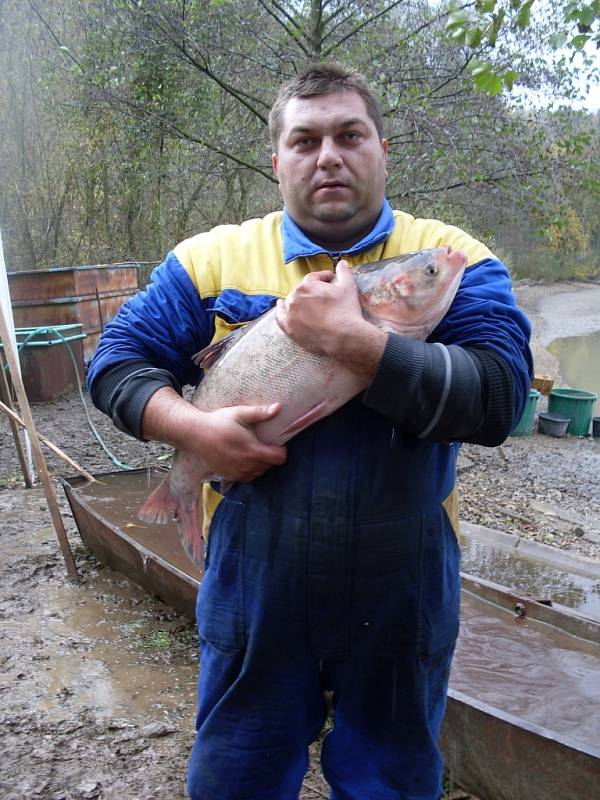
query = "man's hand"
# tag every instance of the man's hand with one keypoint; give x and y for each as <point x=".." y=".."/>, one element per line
<point x="224" y="439"/>
<point x="326" y="318"/>
<point x="230" y="446"/>
<point x="319" y="313"/>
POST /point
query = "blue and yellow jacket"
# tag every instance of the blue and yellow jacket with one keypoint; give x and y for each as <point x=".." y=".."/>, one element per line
<point x="222" y="278"/>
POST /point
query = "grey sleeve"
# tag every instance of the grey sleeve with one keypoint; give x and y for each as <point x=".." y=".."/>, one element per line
<point x="443" y="392"/>
<point x="123" y="391"/>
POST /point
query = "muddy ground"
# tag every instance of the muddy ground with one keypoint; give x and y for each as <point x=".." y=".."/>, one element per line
<point x="97" y="686"/>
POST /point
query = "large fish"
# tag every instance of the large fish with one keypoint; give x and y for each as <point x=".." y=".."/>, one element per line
<point x="259" y="364"/>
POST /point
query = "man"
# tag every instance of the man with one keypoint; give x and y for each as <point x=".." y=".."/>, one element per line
<point x="332" y="563"/>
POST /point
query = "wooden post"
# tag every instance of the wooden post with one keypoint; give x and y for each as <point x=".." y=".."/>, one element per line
<point x="40" y="463"/>
<point x="7" y="399"/>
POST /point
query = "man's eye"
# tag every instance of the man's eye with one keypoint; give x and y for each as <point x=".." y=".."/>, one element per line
<point x="306" y="141"/>
<point x="352" y="136"/>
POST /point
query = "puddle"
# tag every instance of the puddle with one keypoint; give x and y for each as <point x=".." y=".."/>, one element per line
<point x="533" y="578"/>
<point x="579" y="358"/>
<point x="77" y="638"/>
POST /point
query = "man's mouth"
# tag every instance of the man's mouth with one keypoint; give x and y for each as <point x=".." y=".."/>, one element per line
<point x="331" y="186"/>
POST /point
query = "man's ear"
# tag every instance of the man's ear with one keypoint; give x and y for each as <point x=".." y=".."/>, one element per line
<point x="275" y="164"/>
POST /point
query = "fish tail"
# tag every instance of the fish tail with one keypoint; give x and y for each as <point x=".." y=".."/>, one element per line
<point x="161" y="506"/>
<point x="189" y="523"/>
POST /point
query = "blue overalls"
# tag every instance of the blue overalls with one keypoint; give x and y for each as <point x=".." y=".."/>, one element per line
<point x="339" y="571"/>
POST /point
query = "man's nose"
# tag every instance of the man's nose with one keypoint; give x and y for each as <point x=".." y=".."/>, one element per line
<point x="329" y="154"/>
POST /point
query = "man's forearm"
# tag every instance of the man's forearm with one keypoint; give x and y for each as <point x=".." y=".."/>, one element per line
<point x="444" y="392"/>
<point x="168" y="418"/>
<point x="123" y="392"/>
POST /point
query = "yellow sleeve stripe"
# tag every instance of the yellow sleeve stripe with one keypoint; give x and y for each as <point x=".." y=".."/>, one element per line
<point x="412" y="234"/>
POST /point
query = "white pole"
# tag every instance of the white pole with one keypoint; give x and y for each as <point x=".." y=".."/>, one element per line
<point x="6" y="308"/>
<point x="5" y="298"/>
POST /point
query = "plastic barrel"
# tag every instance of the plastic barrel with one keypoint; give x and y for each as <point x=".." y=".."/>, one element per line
<point x="576" y="404"/>
<point x="525" y="424"/>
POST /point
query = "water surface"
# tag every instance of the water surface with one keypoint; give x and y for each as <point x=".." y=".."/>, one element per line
<point x="534" y="578"/>
<point x="579" y="358"/>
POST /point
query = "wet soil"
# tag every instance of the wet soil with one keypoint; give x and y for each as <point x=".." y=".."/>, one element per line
<point x="97" y="688"/>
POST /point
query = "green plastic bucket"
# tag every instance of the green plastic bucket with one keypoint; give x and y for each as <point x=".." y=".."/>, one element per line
<point x="525" y="424"/>
<point x="576" y="404"/>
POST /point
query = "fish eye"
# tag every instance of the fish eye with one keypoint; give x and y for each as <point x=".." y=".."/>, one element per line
<point x="431" y="269"/>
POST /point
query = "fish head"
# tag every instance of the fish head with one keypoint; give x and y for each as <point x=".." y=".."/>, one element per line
<point x="411" y="293"/>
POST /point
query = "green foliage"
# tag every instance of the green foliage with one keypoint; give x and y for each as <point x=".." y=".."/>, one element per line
<point x="566" y="25"/>
<point x="125" y="127"/>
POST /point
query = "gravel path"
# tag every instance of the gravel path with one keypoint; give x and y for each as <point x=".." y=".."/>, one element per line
<point x="540" y="487"/>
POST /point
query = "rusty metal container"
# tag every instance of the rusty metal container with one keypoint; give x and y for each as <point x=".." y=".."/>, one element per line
<point x="51" y="360"/>
<point x="87" y="295"/>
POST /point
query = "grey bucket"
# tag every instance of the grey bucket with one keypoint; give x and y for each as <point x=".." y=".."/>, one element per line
<point x="553" y="424"/>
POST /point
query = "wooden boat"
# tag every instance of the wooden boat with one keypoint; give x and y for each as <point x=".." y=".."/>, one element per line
<point x="523" y="723"/>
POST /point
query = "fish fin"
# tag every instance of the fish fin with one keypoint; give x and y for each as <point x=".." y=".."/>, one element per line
<point x="189" y="524"/>
<point x="160" y="506"/>
<point x="312" y="415"/>
<point x="206" y="357"/>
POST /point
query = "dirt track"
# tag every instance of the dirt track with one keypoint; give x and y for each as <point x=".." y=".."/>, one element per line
<point x="98" y="681"/>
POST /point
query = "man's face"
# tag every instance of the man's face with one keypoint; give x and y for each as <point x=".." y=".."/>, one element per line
<point x="331" y="167"/>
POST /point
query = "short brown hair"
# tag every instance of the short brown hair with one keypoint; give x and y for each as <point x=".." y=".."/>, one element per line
<point x="319" y="79"/>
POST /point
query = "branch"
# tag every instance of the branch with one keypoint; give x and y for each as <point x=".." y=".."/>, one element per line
<point x="46" y="25"/>
<point x="449" y="80"/>
<point x="338" y="24"/>
<point x="243" y="98"/>
<point x="362" y="25"/>
<point x="282" y="11"/>
<point x="174" y="128"/>
<point x="425" y="25"/>
<point x="280" y="22"/>
<point x="460" y="184"/>
<point x="332" y="16"/>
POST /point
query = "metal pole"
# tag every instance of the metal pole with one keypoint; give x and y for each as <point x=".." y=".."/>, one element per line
<point x="40" y="463"/>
